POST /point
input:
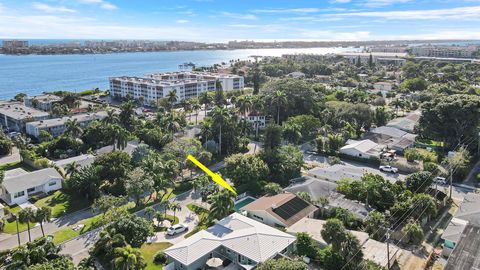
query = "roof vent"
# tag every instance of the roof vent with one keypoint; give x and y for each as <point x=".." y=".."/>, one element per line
<point x="274" y="206"/>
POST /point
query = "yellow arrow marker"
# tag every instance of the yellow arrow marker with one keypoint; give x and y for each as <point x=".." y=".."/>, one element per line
<point x="215" y="177"/>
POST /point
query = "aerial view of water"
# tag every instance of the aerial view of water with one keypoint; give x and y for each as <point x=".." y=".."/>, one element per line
<point x="34" y="74"/>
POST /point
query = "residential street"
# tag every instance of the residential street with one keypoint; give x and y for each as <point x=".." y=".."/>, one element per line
<point x="10" y="241"/>
<point x="14" y="157"/>
<point x="78" y="247"/>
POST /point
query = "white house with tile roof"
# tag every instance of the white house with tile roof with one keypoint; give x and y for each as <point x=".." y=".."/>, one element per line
<point x="239" y="239"/>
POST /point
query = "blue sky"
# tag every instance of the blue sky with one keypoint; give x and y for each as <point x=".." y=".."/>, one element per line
<point x="221" y="20"/>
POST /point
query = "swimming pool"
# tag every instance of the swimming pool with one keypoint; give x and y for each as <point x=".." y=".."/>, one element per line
<point x="242" y="202"/>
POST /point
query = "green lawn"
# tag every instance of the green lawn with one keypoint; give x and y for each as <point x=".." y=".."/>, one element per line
<point x="68" y="233"/>
<point x="10" y="226"/>
<point x="63" y="203"/>
<point x="149" y="250"/>
<point x="15" y="165"/>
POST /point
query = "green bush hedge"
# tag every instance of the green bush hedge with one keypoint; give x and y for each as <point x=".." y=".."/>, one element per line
<point x="160" y="258"/>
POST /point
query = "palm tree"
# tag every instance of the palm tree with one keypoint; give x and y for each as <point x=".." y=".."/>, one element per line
<point x="126" y="114"/>
<point x="171" y="123"/>
<point x="196" y="107"/>
<point x="111" y="118"/>
<point x="256" y="107"/>
<point x="26" y="216"/>
<point x="206" y="100"/>
<point x="128" y="258"/>
<point x="72" y="168"/>
<point x="222" y="204"/>
<point x="219" y="116"/>
<point x="244" y="104"/>
<point x="73" y="128"/>
<point x="159" y="217"/>
<point x="172" y="98"/>
<point x="149" y="212"/>
<point x="280" y="100"/>
<point x="175" y="206"/>
<point x="120" y="137"/>
<point x="43" y="215"/>
<point x="166" y="206"/>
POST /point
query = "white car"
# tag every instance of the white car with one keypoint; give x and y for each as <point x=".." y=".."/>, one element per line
<point x="388" y="168"/>
<point x="440" y="180"/>
<point x="177" y="228"/>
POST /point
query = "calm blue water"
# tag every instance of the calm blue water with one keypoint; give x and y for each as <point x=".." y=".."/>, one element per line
<point x="34" y="74"/>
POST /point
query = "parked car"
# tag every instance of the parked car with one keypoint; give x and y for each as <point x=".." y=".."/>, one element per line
<point x="440" y="180"/>
<point x="388" y="168"/>
<point x="177" y="228"/>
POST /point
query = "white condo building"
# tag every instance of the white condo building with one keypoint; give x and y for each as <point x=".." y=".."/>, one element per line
<point x="156" y="86"/>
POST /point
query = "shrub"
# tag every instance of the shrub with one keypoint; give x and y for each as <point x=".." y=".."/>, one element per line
<point x="478" y="177"/>
<point x="332" y="160"/>
<point x="411" y="154"/>
<point x="160" y="258"/>
<point x="430" y="167"/>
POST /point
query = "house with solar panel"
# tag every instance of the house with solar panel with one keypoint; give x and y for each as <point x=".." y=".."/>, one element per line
<point x="235" y="242"/>
<point x="281" y="210"/>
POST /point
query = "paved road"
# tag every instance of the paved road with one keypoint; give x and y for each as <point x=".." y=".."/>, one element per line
<point x="78" y="247"/>
<point x="9" y="241"/>
<point x="13" y="157"/>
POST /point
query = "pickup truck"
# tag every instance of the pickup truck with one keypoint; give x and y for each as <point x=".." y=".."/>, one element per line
<point x="388" y="168"/>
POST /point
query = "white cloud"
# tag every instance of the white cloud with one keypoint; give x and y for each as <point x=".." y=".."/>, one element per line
<point x="101" y="3"/>
<point x="341" y="1"/>
<point x="52" y="9"/>
<point x="243" y="25"/>
<point x="288" y="10"/>
<point x="383" y="3"/>
<point x="461" y="13"/>
<point x="239" y="16"/>
<point x="182" y="21"/>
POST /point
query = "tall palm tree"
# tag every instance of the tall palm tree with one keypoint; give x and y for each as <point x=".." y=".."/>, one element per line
<point x="126" y="114"/>
<point x="120" y="137"/>
<point x="175" y="206"/>
<point x="172" y="98"/>
<point x="43" y="215"/>
<point x="219" y="116"/>
<point x="196" y="107"/>
<point x="166" y="207"/>
<point x="72" y="168"/>
<point x="26" y="216"/>
<point x="172" y="123"/>
<point x="73" y="128"/>
<point x="244" y="105"/>
<point x="206" y="100"/>
<point x="279" y="99"/>
<point x="222" y="204"/>
<point x="111" y="118"/>
<point x="128" y="258"/>
<point x="257" y="107"/>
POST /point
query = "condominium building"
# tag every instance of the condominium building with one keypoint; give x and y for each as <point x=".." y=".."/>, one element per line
<point x="15" y="43"/>
<point x="445" y="51"/>
<point x="156" y="86"/>
<point x="13" y="116"/>
<point x="57" y="126"/>
<point x="42" y="102"/>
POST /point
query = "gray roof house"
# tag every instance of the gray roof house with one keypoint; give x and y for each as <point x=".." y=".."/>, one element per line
<point x="391" y="137"/>
<point x="406" y="123"/>
<point x="236" y="238"/>
<point x="18" y="186"/>
<point x="320" y="188"/>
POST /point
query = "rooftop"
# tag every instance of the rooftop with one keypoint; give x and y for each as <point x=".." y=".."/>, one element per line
<point x="82" y="160"/>
<point x="406" y="123"/>
<point x="286" y="207"/>
<point x="466" y="254"/>
<point x="236" y="232"/>
<point x="20" y="111"/>
<point x="45" y="97"/>
<point x="314" y="228"/>
<point x="61" y="121"/>
<point x="454" y="230"/>
<point x="338" y="171"/>
<point x="23" y="181"/>
<point x="361" y="146"/>
<point x="469" y="210"/>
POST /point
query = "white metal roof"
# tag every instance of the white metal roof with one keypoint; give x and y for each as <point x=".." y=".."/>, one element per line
<point x="362" y="146"/>
<point x="236" y="232"/>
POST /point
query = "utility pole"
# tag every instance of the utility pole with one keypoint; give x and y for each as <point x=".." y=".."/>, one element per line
<point x="388" y="248"/>
<point x="18" y="233"/>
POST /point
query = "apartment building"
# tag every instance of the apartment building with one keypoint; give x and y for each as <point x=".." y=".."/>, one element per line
<point x="153" y="87"/>
<point x="445" y="51"/>
<point x="42" y="102"/>
<point x="13" y="116"/>
<point x="57" y="126"/>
